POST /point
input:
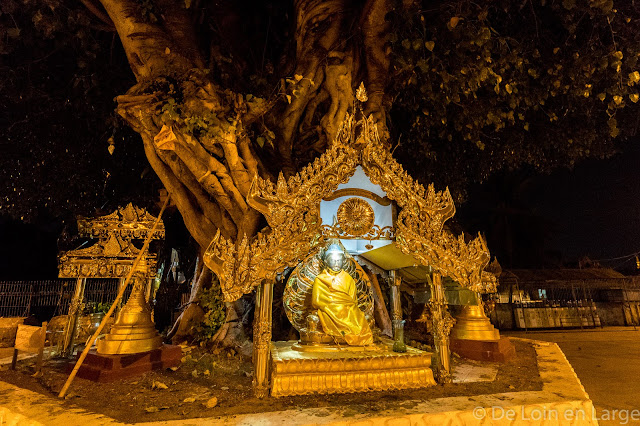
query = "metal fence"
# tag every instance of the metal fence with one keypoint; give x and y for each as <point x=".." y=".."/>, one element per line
<point x="46" y="299"/>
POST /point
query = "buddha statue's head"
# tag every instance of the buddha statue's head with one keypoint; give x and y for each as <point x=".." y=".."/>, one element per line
<point x="334" y="257"/>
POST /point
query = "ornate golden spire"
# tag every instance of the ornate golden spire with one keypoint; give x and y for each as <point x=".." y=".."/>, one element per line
<point x="361" y="93"/>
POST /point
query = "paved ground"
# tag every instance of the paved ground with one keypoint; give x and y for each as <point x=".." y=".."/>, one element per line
<point x="607" y="361"/>
<point x="560" y="393"/>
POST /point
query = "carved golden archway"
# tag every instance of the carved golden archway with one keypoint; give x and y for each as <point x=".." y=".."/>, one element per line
<point x="292" y="210"/>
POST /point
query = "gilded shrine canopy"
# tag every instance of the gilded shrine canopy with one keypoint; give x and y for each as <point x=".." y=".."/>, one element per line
<point x="112" y="256"/>
<point x="296" y="228"/>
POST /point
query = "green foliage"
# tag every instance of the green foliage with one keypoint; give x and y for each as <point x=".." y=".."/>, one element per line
<point x="505" y="84"/>
<point x="96" y="307"/>
<point x="213" y="304"/>
<point x="196" y="117"/>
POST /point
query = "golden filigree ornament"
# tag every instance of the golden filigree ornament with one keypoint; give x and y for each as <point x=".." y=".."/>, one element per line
<point x="355" y="216"/>
<point x="361" y="93"/>
<point x="375" y="233"/>
<point x="129" y="222"/>
<point x="110" y="258"/>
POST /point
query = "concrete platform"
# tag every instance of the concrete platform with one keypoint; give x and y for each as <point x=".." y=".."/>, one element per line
<point x="562" y="400"/>
<point x="107" y="368"/>
<point x="497" y="351"/>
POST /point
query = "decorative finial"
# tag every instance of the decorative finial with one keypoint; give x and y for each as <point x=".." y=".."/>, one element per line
<point x="361" y="93"/>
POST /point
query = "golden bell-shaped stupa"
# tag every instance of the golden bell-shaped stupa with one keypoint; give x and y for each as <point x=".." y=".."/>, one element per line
<point x="473" y="324"/>
<point x="134" y="330"/>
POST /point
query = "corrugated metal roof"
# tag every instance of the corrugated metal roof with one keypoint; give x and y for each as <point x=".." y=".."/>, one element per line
<point x="562" y="274"/>
<point x="591" y="277"/>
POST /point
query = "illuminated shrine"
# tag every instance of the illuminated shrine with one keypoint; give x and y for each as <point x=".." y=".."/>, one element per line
<point x="358" y="199"/>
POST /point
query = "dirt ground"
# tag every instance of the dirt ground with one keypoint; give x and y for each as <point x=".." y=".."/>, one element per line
<point x="226" y="376"/>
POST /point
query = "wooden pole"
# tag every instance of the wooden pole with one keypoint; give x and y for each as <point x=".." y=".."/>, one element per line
<point x="113" y="305"/>
<point x="40" y="357"/>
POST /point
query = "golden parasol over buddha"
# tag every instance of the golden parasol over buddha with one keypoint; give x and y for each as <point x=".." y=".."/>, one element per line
<point x="335" y="297"/>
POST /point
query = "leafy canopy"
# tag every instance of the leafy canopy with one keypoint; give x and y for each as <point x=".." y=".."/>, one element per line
<point x="476" y="87"/>
<point x="486" y="86"/>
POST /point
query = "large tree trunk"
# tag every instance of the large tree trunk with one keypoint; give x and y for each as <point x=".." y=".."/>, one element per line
<point x="196" y="134"/>
<point x="192" y="313"/>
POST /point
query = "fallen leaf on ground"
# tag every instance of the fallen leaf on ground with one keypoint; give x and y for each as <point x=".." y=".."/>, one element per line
<point x="206" y="372"/>
<point x="189" y="400"/>
<point x="211" y="403"/>
<point x="194" y="373"/>
<point x="173" y="368"/>
<point x="159" y="385"/>
<point x="152" y="409"/>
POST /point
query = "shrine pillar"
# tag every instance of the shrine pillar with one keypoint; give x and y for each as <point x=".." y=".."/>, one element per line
<point x="149" y="290"/>
<point x="121" y="282"/>
<point x="441" y="326"/>
<point x="72" y="321"/>
<point x="396" y="312"/>
<point x="262" y="339"/>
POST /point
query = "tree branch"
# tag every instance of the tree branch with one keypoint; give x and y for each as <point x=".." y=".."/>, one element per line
<point x="95" y="9"/>
<point x="318" y="33"/>
<point x="200" y="227"/>
<point x="375" y="27"/>
<point x="177" y="21"/>
<point x="150" y="51"/>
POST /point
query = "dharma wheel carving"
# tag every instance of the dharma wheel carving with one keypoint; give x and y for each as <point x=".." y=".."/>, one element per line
<point x="355" y="216"/>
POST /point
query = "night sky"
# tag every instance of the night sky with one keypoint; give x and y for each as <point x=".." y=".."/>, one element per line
<point x="591" y="210"/>
<point x="596" y="207"/>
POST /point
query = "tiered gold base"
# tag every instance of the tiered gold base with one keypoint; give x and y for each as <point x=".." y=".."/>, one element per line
<point x="133" y="343"/>
<point x="295" y="372"/>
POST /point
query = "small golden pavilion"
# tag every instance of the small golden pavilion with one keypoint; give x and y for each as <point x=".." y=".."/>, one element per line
<point x="112" y="256"/>
<point x="357" y="194"/>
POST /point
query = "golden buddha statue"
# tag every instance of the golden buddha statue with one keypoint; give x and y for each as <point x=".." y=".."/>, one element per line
<point x="334" y="295"/>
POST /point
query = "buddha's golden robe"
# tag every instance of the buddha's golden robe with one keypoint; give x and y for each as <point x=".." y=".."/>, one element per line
<point x="335" y="298"/>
